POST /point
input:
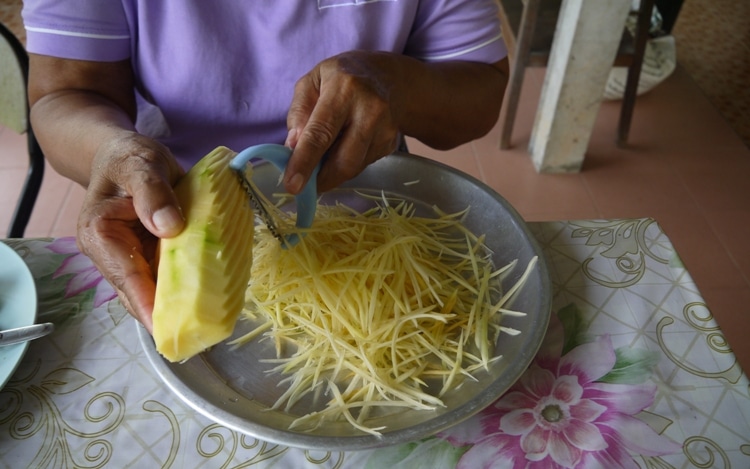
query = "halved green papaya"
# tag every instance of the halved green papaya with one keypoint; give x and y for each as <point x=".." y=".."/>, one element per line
<point x="203" y="272"/>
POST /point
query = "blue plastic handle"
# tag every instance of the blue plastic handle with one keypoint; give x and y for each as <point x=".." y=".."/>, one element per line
<point x="278" y="155"/>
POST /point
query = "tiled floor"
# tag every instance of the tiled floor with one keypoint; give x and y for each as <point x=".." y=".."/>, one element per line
<point x="685" y="166"/>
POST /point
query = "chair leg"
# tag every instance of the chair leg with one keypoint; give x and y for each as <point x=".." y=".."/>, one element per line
<point x="510" y="107"/>
<point x="517" y="70"/>
<point x="634" y="71"/>
<point x="30" y="190"/>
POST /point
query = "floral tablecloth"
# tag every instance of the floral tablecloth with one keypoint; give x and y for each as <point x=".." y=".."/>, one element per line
<point x="634" y="372"/>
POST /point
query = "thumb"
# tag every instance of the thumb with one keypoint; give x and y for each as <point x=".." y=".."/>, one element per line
<point x="166" y="221"/>
<point x="156" y="204"/>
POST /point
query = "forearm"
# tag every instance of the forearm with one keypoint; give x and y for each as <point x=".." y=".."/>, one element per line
<point x="448" y="104"/>
<point x="71" y="125"/>
<point x="76" y="106"/>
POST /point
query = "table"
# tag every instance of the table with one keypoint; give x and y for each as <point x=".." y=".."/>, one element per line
<point x="634" y="372"/>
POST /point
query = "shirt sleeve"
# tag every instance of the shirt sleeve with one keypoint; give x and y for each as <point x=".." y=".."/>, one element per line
<point x="457" y="30"/>
<point x="94" y="30"/>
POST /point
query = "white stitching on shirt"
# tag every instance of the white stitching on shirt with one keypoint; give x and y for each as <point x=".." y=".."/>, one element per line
<point x="322" y="4"/>
<point x="77" y="34"/>
<point x="462" y="52"/>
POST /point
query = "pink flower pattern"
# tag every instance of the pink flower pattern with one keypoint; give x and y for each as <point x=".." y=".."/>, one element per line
<point x="85" y="274"/>
<point x="558" y="415"/>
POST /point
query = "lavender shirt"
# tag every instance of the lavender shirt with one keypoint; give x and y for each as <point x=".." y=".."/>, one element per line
<point x="222" y="72"/>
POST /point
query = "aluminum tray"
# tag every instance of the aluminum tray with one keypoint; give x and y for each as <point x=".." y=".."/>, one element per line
<point x="233" y="388"/>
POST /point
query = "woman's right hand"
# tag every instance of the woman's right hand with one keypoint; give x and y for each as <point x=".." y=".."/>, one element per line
<point x="129" y="204"/>
<point x="83" y="114"/>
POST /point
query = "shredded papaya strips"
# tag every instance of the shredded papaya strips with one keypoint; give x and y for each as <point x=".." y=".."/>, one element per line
<point x="375" y="305"/>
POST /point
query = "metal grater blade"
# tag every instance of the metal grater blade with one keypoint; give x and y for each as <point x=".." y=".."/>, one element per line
<point x="306" y="200"/>
<point x="257" y="202"/>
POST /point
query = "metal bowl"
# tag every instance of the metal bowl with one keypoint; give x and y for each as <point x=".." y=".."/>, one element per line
<point x="233" y="388"/>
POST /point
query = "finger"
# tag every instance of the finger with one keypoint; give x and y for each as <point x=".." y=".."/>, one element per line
<point x="306" y="95"/>
<point x="111" y="236"/>
<point x="366" y="139"/>
<point x="150" y="185"/>
<point x="156" y="205"/>
<point x="144" y="170"/>
<point x="145" y="319"/>
<point x="325" y="117"/>
<point x="346" y="159"/>
<point x="349" y="157"/>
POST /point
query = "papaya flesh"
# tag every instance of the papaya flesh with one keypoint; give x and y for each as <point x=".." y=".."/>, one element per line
<point x="203" y="272"/>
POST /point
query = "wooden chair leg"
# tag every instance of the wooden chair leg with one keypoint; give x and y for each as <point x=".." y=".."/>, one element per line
<point x="634" y="71"/>
<point x="510" y="107"/>
<point x="517" y="70"/>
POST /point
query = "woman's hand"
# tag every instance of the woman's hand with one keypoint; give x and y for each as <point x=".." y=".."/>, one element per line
<point x="129" y="204"/>
<point x="83" y="114"/>
<point x="355" y="107"/>
<point x="343" y="107"/>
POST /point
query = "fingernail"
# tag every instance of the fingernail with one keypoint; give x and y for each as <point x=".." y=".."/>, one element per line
<point x="167" y="219"/>
<point x="291" y="138"/>
<point x="295" y="183"/>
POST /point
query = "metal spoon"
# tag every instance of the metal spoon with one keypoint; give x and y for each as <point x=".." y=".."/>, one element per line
<point x="25" y="333"/>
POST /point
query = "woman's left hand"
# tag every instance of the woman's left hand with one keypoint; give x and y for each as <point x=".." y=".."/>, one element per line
<point x="354" y="108"/>
<point x="344" y="108"/>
